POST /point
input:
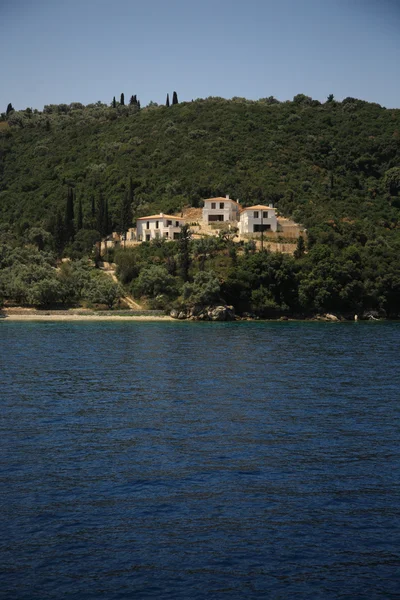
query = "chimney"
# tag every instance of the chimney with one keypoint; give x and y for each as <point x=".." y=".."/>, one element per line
<point x="227" y="196"/>
<point x="161" y="215"/>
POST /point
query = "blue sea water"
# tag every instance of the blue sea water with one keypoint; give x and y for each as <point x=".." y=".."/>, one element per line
<point x="195" y="460"/>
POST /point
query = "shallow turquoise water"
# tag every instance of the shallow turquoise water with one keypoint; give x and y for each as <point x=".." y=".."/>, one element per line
<point x="184" y="460"/>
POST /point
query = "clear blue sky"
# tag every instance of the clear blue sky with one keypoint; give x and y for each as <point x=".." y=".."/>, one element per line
<point x="56" y="51"/>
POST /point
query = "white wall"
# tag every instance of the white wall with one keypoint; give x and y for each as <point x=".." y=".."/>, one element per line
<point x="248" y="220"/>
<point x="166" y="228"/>
<point x="230" y="211"/>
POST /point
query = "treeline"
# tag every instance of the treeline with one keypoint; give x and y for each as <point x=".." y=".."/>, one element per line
<point x="342" y="277"/>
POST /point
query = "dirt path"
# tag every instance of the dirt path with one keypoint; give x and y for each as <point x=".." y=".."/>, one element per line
<point x="127" y="299"/>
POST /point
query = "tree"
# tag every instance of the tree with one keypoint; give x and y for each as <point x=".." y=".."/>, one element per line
<point x="101" y="289"/>
<point x="114" y="103"/>
<point x="167" y="102"/>
<point x="101" y="216"/>
<point x="153" y="281"/>
<point x="10" y="109"/>
<point x="122" y="100"/>
<point x="69" y="215"/>
<point x="131" y="194"/>
<point x="175" y="98"/>
<point x="330" y="98"/>
<point x="125" y="215"/>
<point x="391" y="181"/>
<point x="79" y="216"/>
<point x="204" y="290"/>
<point x="184" y="251"/>
<point x="38" y="237"/>
<point x="300" y="248"/>
<point x="59" y="233"/>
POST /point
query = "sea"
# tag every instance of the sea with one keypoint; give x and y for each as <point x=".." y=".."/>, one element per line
<point x="174" y="460"/>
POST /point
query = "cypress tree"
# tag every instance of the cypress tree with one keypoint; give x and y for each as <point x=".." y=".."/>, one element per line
<point x="69" y="215"/>
<point x="174" y="98"/>
<point x="79" y="216"/>
<point x="59" y="233"/>
<point x="114" y="103"/>
<point x="167" y="102"/>
<point x="106" y="220"/>
<point x="132" y="100"/>
<point x="100" y="214"/>
<point x="184" y="251"/>
<point x="10" y="108"/>
<point x="125" y="214"/>
<point x="122" y="100"/>
<point x="138" y="104"/>
<point x="300" y="249"/>
<point x="131" y="192"/>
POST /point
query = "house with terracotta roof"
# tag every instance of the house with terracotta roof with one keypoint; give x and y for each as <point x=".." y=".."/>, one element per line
<point x="158" y="226"/>
<point x="254" y="219"/>
<point x="220" y="210"/>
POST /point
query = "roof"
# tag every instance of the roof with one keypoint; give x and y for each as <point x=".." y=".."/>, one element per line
<point x="160" y="216"/>
<point x="222" y="199"/>
<point x="259" y="207"/>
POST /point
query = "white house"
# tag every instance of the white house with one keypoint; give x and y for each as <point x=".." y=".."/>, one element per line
<point x="255" y="219"/>
<point x="220" y="209"/>
<point x="158" y="226"/>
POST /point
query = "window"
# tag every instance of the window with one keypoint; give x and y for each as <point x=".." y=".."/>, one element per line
<point x="147" y="224"/>
<point x="213" y="205"/>
<point x="221" y="204"/>
<point x="166" y="235"/>
<point x="265" y="214"/>
<point x="169" y="223"/>
<point x="263" y="227"/>
<point x="176" y="223"/>
<point x="147" y="237"/>
<point x="215" y="218"/>
<point x="176" y="235"/>
<point x="255" y="214"/>
<point x="156" y="224"/>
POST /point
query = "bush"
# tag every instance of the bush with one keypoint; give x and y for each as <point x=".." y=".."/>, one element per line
<point x="204" y="290"/>
<point x="154" y="281"/>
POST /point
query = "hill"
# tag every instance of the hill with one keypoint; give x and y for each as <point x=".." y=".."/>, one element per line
<point x="334" y="167"/>
<point x="315" y="161"/>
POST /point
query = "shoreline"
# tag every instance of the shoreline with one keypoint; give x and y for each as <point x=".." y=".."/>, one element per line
<point x="30" y="314"/>
<point x="33" y="315"/>
<point x="81" y="318"/>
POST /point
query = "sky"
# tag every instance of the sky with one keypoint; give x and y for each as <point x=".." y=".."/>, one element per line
<point x="57" y="51"/>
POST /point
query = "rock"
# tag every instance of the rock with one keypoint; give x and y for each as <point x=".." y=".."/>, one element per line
<point x="247" y="315"/>
<point x="211" y="313"/>
<point x="221" y="313"/>
<point x="178" y="314"/>
<point x="374" y="315"/>
<point x="329" y="317"/>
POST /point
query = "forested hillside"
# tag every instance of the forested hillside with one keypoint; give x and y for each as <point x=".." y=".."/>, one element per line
<point x="315" y="162"/>
<point x="334" y="167"/>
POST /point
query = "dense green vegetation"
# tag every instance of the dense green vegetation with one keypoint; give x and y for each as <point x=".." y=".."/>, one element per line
<point x="334" y="167"/>
<point x="29" y="276"/>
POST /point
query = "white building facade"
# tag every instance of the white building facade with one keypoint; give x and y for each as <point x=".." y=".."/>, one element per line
<point x="220" y="209"/>
<point x="158" y="226"/>
<point x="255" y="219"/>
